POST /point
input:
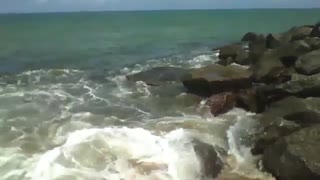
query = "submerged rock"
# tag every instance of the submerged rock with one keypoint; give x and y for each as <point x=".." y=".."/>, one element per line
<point x="216" y="78"/>
<point x="295" y="156"/>
<point x="309" y="64"/>
<point x="211" y="164"/>
<point x="159" y="75"/>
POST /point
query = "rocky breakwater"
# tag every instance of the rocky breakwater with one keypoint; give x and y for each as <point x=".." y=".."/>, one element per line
<point x="280" y="82"/>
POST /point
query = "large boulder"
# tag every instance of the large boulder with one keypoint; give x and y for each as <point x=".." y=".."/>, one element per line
<point x="216" y="78"/>
<point x="271" y="129"/>
<point x="296" y="156"/>
<point x="275" y="63"/>
<point x="159" y="75"/>
<point x="233" y="53"/>
<point x="303" y="111"/>
<point x="299" y="85"/>
<point x="315" y="31"/>
<point x="309" y="63"/>
<point x="313" y="42"/>
<point x="209" y="157"/>
<point x="295" y="33"/>
<point x="250" y="37"/>
<point x="298" y="33"/>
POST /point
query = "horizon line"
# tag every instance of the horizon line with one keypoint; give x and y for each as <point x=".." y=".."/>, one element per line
<point x="144" y="10"/>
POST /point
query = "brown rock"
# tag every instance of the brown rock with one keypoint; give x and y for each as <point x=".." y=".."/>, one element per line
<point x="216" y="78"/>
<point x="221" y="103"/>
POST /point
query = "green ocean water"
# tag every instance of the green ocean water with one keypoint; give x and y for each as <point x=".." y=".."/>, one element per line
<point x="92" y="39"/>
<point x="67" y="111"/>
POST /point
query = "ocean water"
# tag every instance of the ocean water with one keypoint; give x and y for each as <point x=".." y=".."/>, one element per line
<point x="68" y="113"/>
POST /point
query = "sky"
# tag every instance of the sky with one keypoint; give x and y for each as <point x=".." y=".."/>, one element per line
<point x="101" y="5"/>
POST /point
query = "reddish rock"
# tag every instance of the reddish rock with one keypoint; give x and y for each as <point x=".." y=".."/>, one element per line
<point x="222" y="103"/>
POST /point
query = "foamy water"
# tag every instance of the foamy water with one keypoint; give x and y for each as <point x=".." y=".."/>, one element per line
<point x="64" y="125"/>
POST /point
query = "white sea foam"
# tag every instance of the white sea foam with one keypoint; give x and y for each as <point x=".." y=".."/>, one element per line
<point x="120" y="153"/>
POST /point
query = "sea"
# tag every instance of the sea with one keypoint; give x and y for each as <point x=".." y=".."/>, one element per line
<point x="67" y="111"/>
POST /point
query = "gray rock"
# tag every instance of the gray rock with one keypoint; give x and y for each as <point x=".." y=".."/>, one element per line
<point x="291" y="105"/>
<point x="296" y="156"/>
<point x="276" y="62"/>
<point x="300" y="85"/>
<point x="309" y="64"/>
<point x="271" y="129"/>
<point x="211" y="164"/>
<point x="159" y="75"/>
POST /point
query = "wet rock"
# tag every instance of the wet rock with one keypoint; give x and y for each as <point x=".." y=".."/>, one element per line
<point x="209" y="157"/>
<point x="249" y="37"/>
<point x="216" y="78"/>
<point x="159" y="75"/>
<point x="315" y="31"/>
<point x="222" y="102"/>
<point x="309" y="64"/>
<point x="272" y="128"/>
<point x="296" y="156"/>
<point x="300" y="85"/>
<point x="233" y="53"/>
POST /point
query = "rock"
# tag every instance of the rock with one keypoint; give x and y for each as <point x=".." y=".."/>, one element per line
<point x="305" y="118"/>
<point x="272" y="128"/>
<point x="313" y="42"/>
<point x="221" y="103"/>
<point x="274" y="41"/>
<point x="249" y="37"/>
<point x="303" y="112"/>
<point x="298" y="33"/>
<point x="250" y="100"/>
<point x="233" y="53"/>
<point x="275" y="63"/>
<point x="159" y="75"/>
<point x="295" y="33"/>
<point x="309" y="64"/>
<point x="257" y="49"/>
<point x="216" y="78"/>
<point x="209" y="157"/>
<point x="296" y="156"/>
<point x="315" y="31"/>
<point x="301" y="86"/>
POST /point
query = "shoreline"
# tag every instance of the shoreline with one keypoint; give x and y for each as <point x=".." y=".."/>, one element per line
<point x="282" y="86"/>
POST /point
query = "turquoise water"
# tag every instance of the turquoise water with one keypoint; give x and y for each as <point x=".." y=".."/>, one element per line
<point x="67" y="111"/>
<point x="116" y="39"/>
